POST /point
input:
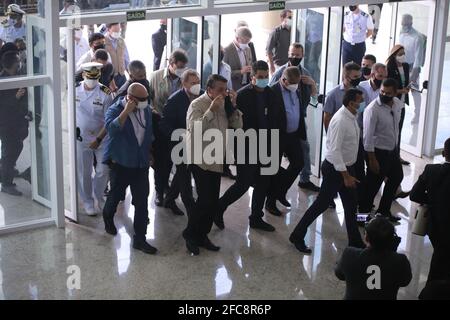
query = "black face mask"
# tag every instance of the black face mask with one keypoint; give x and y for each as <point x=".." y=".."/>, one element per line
<point x="385" y="99"/>
<point x="355" y="82"/>
<point x="100" y="46"/>
<point x="353" y="8"/>
<point x="366" y="71"/>
<point x="295" y="62"/>
<point x="377" y="82"/>
<point x="163" y="27"/>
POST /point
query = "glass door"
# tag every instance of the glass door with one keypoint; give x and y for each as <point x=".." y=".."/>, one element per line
<point x="312" y="34"/>
<point x="187" y="35"/>
<point x="414" y="30"/>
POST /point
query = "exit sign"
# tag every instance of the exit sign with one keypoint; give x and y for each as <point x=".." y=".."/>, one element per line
<point x="135" y="15"/>
<point x="277" y="5"/>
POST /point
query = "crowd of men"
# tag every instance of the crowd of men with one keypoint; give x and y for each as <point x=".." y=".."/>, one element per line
<point x="126" y="120"/>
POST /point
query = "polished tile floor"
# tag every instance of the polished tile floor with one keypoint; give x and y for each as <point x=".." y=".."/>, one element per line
<point x="251" y="264"/>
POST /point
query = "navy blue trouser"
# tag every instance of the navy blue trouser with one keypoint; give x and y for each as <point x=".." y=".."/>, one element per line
<point x="353" y="53"/>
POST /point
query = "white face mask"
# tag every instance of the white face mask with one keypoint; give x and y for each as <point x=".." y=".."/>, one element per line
<point x="195" y="89"/>
<point x="78" y="34"/>
<point x="289" y="23"/>
<point x="179" y="72"/>
<point x="401" y="59"/>
<point x="243" y="46"/>
<point x="292" y="87"/>
<point x="91" y="83"/>
<point x="115" y="35"/>
<point x="142" y="105"/>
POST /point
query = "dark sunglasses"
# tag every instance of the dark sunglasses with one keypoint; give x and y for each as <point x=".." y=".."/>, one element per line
<point x="139" y="99"/>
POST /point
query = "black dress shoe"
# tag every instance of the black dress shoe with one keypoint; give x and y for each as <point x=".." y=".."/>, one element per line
<point x="284" y="202"/>
<point x="159" y="201"/>
<point x="174" y="208"/>
<point x="404" y="162"/>
<point x="144" y="246"/>
<point x="192" y="248"/>
<point x="332" y="205"/>
<point x="208" y="245"/>
<point x="402" y="195"/>
<point x="110" y="228"/>
<point x="300" y="246"/>
<point x="260" y="224"/>
<point x="308" y="186"/>
<point x="272" y="209"/>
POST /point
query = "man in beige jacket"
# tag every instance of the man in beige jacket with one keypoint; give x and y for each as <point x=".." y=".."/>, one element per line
<point x="215" y="112"/>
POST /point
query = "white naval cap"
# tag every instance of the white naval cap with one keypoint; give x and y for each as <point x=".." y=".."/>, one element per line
<point x="14" y="8"/>
<point x="92" y="69"/>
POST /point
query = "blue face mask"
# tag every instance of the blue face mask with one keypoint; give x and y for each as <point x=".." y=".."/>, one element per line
<point x="262" y="83"/>
<point x="361" y="108"/>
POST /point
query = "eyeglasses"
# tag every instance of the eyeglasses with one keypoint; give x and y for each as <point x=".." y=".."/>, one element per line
<point x="139" y="99"/>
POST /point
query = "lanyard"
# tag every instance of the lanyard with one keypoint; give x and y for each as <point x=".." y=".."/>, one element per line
<point x="139" y="119"/>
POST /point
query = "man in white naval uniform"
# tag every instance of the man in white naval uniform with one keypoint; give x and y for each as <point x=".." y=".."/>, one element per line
<point x="90" y="98"/>
<point x="14" y="27"/>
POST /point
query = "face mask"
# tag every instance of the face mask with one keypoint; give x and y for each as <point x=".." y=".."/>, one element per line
<point x="361" y="108"/>
<point x="142" y="105"/>
<point x="262" y="83"/>
<point x="163" y="27"/>
<point x="195" y="89"/>
<point x="401" y="59"/>
<point x="288" y="23"/>
<point x="377" y="82"/>
<point x="406" y="29"/>
<point x="355" y="82"/>
<point x="295" y="62"/>
<point x="179" y="72"/>
<point x="385" y="99"/>
<point x="353" y="8"/>
<point x="91" y="83"/>
<point x="292" y="87"/>
<point x="243" y="46"/>
<point x="115" y="35"/>
<point x="100" y="46"/>
<point x="366" y="71"/>
<point x="78" y="34"/>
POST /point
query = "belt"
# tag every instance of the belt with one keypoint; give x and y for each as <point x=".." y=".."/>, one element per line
<point x="353" y="43"/>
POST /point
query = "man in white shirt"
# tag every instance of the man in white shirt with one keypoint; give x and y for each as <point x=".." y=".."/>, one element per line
<point x="338" y="174"/>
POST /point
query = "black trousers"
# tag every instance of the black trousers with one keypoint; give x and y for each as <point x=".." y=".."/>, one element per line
<point x="181" y="184"/>
<point x="12" y="145"/>
<point x="332" y="183"/>
<point x="248" y="175"/>
<point x="163" y="162"/>
<point x="138" y="181"/>
<point x="390" y="168"/>
<point x="360" y="172"/>
<point x="285" y="178"/>
<point x="402" y="121"/>
<point x="201" y="219"/>
<point x="353" y="53"/>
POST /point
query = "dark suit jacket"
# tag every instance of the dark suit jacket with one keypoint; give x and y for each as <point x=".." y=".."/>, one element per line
<point x="395" y="272"/>
<point x="252" y="49"/>
<point x="159" y="41"/>
<point x="174" y="114"/>
<point x="395" y="74"/>
<point x="304" y="101"/>
<point x="247" y="103"/>
<point x="432" y="189"/>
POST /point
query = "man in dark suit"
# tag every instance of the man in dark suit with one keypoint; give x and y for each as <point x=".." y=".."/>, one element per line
<point x="432" y="189"/>
<point x="174" y="117"/>
<point x="159" y="41"/>
<point x="292" y="131"/>
<point x="259" y="113"/>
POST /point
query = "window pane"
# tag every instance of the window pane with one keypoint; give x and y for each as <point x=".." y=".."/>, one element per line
<point x="24" y="169"/>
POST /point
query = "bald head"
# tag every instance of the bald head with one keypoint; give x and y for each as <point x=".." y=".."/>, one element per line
<point x="137" y="90"/>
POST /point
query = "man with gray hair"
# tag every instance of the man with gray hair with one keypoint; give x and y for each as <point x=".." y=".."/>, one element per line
<point x="414" y="43"/>
<point x="242" y="23"/>
<point x="239" y="57"/>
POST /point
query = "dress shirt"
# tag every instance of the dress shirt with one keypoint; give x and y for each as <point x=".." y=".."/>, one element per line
<point x="292" y="106"/>
<point x="343" y="140"/>
<point x="139" y="123"/>
<point x="381" y="125"/>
